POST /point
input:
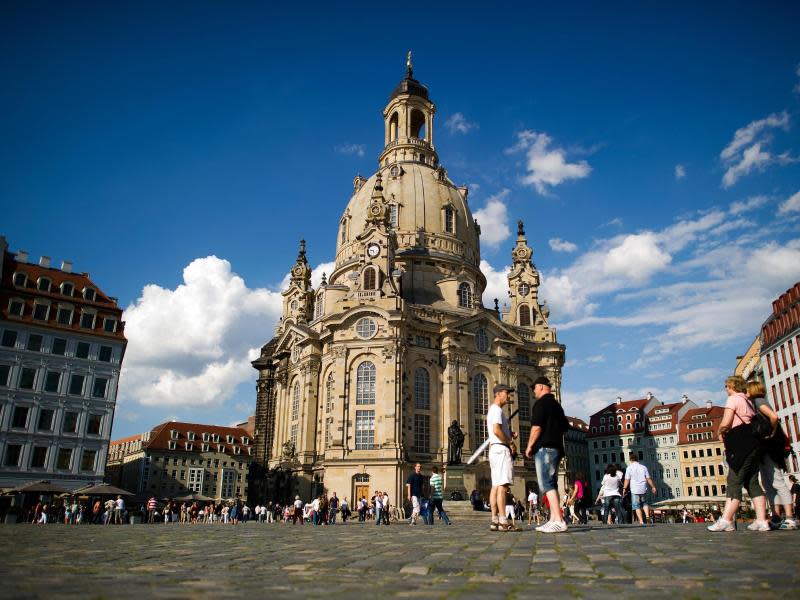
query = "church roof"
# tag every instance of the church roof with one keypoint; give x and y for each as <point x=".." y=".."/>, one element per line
<point x="409" y="85"/>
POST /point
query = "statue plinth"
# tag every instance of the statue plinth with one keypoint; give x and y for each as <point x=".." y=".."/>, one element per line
<point x="454" y="481"/>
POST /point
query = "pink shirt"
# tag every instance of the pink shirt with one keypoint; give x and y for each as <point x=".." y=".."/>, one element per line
<point x="743" y="413"/>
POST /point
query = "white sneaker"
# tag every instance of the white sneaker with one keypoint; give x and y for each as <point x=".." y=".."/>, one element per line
<point x="722" y="525"/>
<point x="759" y="526"/>
<point x="788" y="524"/>
<point x="552" y="527"/>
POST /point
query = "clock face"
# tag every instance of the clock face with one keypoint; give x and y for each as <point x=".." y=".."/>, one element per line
<point x="373" y="250"/>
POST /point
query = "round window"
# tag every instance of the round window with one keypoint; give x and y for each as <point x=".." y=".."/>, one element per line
<point x="482" y="340"/>
<point x="366" y="328"/>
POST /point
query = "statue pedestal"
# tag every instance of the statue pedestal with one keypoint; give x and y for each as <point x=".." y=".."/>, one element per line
<point x="454" y="481"/>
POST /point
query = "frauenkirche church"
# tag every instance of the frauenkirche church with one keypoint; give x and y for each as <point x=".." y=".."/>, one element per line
<point x="367" y="373"/>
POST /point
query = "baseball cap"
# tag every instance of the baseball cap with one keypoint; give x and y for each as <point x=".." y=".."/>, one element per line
<point x="501" y="387"/>
<point x="543" y="381"/>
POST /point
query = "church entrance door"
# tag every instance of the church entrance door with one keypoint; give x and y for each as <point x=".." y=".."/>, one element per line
<point x="362" y="491"/>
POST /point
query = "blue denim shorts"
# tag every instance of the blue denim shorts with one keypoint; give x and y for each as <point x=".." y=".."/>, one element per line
<point x="547" y="460"/>
<point x="638" y="500"/>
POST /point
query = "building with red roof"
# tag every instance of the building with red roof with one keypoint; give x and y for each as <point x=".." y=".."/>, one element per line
<point x="175" y="459"/>
<point x="61" y="348"/>
<point x="702" y="456"/>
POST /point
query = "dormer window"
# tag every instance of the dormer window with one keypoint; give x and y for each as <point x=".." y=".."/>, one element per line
<point x="87" y="319"/>
<point x="229" y="439"/>
<point x="237" y="450"/>
<point x="16" y="307"/>
<point x="67" y="289"/>
<point x="89" y="294"/>
<point x="109" y="325"/>
<point x="190" y="435"/>
<point x="205" y="447"/>
<point x="215" y="438"/>
<point x="173" y="433"/>
<point x="206" y="436"/>
<point x="43" y="284"/>
<point x="20" y="279"/>
<point x="189" y="446"/>
<point x="245" y="440"/>
<point x="172" y="445"/>
<point x="449" y="220"/>
<point x="41" y="311"/>
<point x="221" y="448"/>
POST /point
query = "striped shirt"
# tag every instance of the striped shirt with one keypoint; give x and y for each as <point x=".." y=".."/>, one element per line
<point x="436" y="486"/>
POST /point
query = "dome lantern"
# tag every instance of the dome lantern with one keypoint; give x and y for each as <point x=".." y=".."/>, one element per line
<point x="408" y="123"/>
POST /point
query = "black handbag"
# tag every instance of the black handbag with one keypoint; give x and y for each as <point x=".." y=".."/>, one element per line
<point x="760" y="424"/>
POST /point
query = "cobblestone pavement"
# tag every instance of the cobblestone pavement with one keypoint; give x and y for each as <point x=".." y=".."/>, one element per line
<point x="464" y="560"/>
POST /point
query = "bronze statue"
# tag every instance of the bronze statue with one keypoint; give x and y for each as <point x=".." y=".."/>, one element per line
<point x="456" y="439"/>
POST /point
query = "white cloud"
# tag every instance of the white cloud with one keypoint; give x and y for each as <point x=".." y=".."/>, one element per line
<point x="636" y="258"/>
<point x="702" y="374"/>
<point x="747" y="150"/>
<point x="680" y="172"/>
<point x="615" y="222"/>
<point x="743" y="206"/>
<point x="493" y="219"/>
<point x="597" y="358"/>
<point x="559" y="245"/>
<point x="349" y="149"/>
<point x="458" y="123"/>
<point x="546" y="166"/>
<point x="496" y="285"/>
<point x="316" y="273"/>
<point x="790" y="205"/>
<point x="192" y="345"/>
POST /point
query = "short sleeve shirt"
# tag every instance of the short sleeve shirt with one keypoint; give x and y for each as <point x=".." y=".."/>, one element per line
<point x="638" y="475"/>
<point x="415" y="480"/>
<point x="743" y="412"/>
<point x="497" y="416"/>
<point x="548" y="414"/>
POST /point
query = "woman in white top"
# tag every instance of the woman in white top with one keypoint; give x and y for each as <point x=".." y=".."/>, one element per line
<point x="609" y="492"/>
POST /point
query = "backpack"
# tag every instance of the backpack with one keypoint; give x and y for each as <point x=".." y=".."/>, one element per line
<point x="760" y="424"/>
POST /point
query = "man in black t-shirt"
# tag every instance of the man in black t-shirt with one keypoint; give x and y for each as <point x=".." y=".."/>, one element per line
<point x="414" y="491"/>
<point x="546" y="447"/>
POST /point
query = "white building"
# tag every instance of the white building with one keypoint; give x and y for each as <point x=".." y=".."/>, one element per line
<point x="61" y="348"/>
<point x="780" y="350"/>
<point x="662" y="456"/>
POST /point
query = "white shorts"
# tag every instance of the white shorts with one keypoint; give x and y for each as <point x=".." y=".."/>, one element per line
<point x="415" y="505"/>
<point x="501" y="464"/>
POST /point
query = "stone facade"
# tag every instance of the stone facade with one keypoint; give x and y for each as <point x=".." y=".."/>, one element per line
<point x="366" y="372"/>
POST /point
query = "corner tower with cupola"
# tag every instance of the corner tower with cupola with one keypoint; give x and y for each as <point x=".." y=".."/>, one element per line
<point x="366" y="372"/>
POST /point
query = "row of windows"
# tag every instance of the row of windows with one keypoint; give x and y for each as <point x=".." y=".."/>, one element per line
<point x="703" y="471"/>
<point x="52" y="383"/>
<point x="773" y="362"/>
<point x="785" y="389"/>
<point x="206" y="447"/>
<point x="207" y="437"/>
<point x="65" y="314"/>
<point x="703" y="452"/>
<point x="46" y="420"/>
<point x="45" y="284"/>
<point x="704" y="490"/>
<point x="612" y="428"/>
<point x="57" y="346"/>
<point x="38" y="458"/>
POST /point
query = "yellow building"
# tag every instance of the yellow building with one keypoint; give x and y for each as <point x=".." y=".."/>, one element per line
<point x="702" y="457"/>
<point x="367" y="372"/>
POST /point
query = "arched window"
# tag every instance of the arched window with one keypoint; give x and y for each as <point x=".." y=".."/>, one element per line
<point x="480" y="396"/>
<point x="44" y="284"/>
<point x="329" y="393"/>
<point x="422" y="389"/>
<point x="344" y="231"/>
<point x="524" y="315"/>
<point x="296" y="402"/>
<point x="417" y="124"/>
<point x="369" y="279"/>
<point x="524" y="396"/>
<point x="365" y="383"/>
<point x="319" y="307"/>
<point x="465" y="295"/>
<point x="393" y="216"/>
<point x="449" y="220"/>
<point x="393" y="134"/>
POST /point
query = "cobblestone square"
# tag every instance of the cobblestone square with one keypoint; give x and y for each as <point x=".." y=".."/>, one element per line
<point x="356" y="560"/>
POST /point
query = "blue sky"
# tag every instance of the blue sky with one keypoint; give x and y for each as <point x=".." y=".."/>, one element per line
<point x="179" y="153"/>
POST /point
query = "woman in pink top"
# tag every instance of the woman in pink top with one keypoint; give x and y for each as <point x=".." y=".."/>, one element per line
<point x="743" y="455"/>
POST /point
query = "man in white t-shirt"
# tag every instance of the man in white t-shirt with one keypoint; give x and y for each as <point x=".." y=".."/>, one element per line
<point x="501" y="446"/>
<point x="636" y="478"/>
<point x="533" y="507"/>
